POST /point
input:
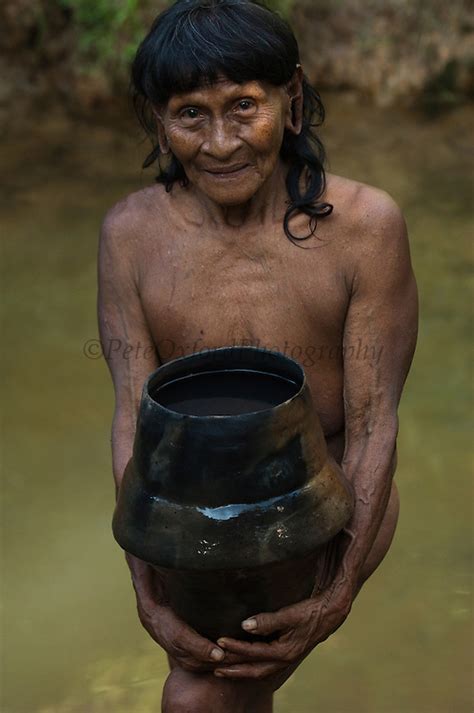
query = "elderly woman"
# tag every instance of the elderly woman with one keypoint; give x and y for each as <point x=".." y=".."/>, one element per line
<point x="245" y="240"/>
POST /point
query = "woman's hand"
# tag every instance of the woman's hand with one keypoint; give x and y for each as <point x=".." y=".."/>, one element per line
<point x="301" y="627"/>
<point x="190" y="650"/>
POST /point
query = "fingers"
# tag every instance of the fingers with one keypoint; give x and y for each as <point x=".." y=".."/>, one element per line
<point x="191" y="664"/>
<point x="180" y="640"/>
<point x="269" y="623"/>
<point x="256" y="671"/>
<point x="255" y="651"/>
<point x="231" y="659"/>
<point x="198" y="647"/>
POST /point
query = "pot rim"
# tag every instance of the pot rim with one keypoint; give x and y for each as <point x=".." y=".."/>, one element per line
<point x="162" y="370"/>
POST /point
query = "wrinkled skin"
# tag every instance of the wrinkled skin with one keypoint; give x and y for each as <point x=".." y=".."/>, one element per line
<point x="208" y="266"/>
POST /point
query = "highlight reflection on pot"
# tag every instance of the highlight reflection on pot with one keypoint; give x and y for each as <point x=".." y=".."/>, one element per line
<point x="230" y="493"/>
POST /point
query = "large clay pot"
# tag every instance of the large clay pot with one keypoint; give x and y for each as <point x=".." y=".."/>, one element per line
<point x="230" y="493"/>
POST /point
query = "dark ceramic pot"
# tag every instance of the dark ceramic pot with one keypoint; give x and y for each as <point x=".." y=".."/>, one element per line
<point x="230" y="493"/>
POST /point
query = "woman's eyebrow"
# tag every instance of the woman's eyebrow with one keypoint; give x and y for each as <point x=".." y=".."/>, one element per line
<point x="199" y="95"/>
<point x="249" y="88"/>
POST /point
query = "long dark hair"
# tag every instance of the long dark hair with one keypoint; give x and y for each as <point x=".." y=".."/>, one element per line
<point x="196" y="41"/>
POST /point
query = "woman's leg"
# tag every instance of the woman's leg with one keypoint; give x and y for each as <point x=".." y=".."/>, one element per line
<point x="186" y="692"/>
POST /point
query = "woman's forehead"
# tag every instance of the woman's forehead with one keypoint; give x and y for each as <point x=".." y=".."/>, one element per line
<point x="223" y="89"/>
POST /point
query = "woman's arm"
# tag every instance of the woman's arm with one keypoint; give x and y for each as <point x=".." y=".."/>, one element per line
<point x="122" y="324"/>
<point x="383" y="319"/>
<point x="379" y="340"/>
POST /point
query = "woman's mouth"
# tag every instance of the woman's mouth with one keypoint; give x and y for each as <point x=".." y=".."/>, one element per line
<point x="227" y="171"/>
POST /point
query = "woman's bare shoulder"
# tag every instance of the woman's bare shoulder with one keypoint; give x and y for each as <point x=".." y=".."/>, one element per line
<point x="355" y="199"/>
<point x="135" y="209"/>
<point x="366" y="216"/>
<point x="371" y="225"/>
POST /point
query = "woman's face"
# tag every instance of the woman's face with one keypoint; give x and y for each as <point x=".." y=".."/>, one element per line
<point x="227" y="136"/>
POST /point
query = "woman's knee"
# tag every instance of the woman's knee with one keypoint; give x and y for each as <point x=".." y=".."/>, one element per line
<point x="184" y="693"/>
<point x="201" y="693"/>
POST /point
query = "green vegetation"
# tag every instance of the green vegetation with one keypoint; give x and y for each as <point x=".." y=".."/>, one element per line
<point x="387" y="51"/>
<point x="282" y="6"/>
<point x="109" y="31"/>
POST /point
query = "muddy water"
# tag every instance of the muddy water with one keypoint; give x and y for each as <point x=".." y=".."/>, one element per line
<point x="72" y="642"/>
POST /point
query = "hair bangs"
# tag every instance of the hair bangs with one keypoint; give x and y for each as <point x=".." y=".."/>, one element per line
<point x="194" y="43"/>
<point x="216" y="40"/>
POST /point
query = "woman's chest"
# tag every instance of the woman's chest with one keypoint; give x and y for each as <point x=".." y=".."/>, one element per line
<point x="221" y="298"/>
<point x="197" y="304"/>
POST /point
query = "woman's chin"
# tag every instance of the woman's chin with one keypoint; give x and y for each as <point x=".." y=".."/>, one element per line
<point x="228" y="196"/>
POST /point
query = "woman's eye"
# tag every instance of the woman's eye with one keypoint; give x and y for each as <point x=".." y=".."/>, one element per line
<point x="245" y="105"/>
<point x="190" y="113"/>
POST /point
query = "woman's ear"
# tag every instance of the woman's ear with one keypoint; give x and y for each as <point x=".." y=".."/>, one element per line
<point x="294" y="117"/>
<point x="162" y="138"/>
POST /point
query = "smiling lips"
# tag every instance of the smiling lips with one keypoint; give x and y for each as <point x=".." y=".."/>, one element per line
<point x="226" y="171"/>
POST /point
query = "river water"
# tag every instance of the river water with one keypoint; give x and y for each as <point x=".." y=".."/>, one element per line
<point x="72" y="641"/>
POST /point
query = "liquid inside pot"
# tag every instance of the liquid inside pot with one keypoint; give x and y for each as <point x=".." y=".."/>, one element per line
<point x="225" y="392"/>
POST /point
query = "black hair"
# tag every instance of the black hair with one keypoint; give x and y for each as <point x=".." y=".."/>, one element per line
<point x="193" y="43"/>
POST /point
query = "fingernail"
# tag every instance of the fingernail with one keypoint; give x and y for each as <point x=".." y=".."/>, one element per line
<point x="249" y="624"/>
<point x="217" y="655"/>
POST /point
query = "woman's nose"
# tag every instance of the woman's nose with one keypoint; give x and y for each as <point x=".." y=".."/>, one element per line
<point x="221" y="141"/>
